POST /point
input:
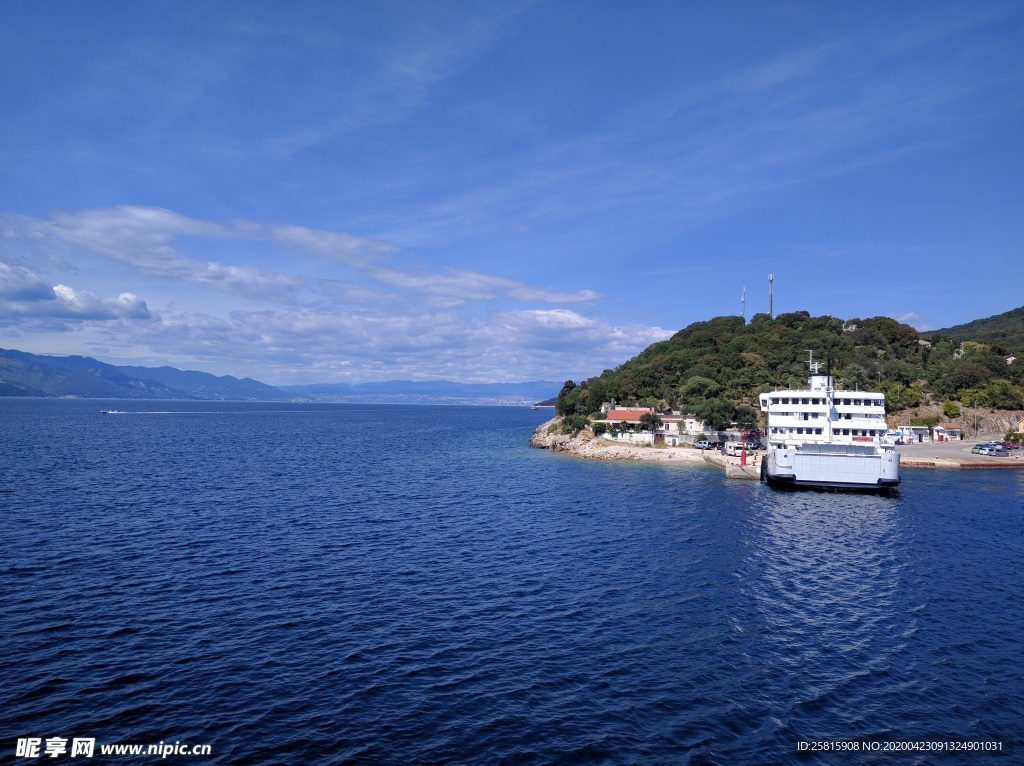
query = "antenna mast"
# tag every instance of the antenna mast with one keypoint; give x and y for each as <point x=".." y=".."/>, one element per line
<point x="743" y="304"/>
<point x="771" y="286"/>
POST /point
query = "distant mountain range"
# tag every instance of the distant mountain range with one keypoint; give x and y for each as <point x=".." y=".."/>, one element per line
<point x="25" y="374"/>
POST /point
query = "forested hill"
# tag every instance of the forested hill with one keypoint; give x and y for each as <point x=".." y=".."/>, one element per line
<point x="1004" y="330"/>
<point x="717" y="368"/>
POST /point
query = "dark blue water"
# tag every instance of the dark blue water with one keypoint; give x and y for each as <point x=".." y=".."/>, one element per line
<point x="415" y="585"/>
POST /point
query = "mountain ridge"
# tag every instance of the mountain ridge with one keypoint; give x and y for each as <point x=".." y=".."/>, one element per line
<point x="26" y="374"/>
<point x="1005" y="330"/>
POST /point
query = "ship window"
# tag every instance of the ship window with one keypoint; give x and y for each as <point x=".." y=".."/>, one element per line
<point x="817" y="430"/>
<point x="815" y="401"/>
<point x="805" y="401"/>
<point x="775" y="400"/>
<point x="857" y="402"/>
<point x="785" y="400"/>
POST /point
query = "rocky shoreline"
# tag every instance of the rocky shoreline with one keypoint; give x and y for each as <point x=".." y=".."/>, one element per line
<point x="586" y="445"/>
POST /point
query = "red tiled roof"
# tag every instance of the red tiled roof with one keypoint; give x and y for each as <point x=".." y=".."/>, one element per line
<point x="631" y="415"/>
<point x="949" y="426"/>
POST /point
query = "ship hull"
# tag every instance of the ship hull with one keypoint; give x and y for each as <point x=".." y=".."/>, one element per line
<point x="864" y="471"/>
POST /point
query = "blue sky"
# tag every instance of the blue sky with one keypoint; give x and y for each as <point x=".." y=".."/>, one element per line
<point x="337" y="191"/>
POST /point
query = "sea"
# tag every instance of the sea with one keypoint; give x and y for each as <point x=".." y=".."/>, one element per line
<point x="238" y="583"/>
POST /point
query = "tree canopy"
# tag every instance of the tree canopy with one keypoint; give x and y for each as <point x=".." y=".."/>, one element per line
<point x="716" y="368"/>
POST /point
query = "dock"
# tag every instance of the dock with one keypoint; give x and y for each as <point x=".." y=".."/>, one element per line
<point x="957" y="457"/>
<point x="733" y="469"/>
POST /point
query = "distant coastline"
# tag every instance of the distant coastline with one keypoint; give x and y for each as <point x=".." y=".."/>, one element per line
<point x="82" y="377"/>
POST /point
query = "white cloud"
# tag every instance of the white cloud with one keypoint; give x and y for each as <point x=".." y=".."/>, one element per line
<point x="19" y="284"/>
<point x="28" y="302"/>
<point x="393" y="316"/>
<point x="149" y="241"/>
<point x="298" y="345"/>
<point x="84" y="305"/>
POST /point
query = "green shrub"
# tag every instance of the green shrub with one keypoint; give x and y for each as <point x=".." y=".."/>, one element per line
<point x="573" y="424"/>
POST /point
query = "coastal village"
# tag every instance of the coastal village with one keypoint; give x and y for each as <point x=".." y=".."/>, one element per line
<point x="618" y="434"/>
<point x="735" y="393"/>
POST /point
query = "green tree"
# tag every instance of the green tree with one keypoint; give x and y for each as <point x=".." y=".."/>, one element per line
<point x="1003" y="395"/>
<point x="716" y="413"/>
<point x="573" y="424"/>
<point x="567" y="400"/>
<point x="650" y="422"/>
<point x="699" y="387"/>
<point x="975" y="397"/>
<point x="951" y="410"/>
<point x="746" y="417"/>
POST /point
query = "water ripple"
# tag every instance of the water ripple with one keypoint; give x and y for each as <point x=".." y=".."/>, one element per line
<point x="289" y="588"/>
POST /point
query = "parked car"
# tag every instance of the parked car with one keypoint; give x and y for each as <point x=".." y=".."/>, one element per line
<point x="703" y="444"/>
<point x="1011" y="445"/>
<point x="977" y="448"/>
<point x="991" y="449"/>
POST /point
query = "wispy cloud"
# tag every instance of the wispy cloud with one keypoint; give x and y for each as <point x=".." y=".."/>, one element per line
<point x="709" y="148"/>
<point x="393" y="310"/>
<point x="365" y="345"/>
<point x="397" y="71"/>
<point x="150" y="241"/>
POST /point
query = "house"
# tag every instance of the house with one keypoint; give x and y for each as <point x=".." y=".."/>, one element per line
<point x="914" y="434"/>
<point x="691" y="424"/>
<point x="947" y="432"/>
<point x="626" y="415"/>
<point x="673" y="427"/>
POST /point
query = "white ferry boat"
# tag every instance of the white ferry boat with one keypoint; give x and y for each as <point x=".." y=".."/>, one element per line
<point x="820" y="437"/>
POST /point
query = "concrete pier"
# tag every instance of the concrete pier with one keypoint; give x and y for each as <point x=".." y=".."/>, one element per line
<point x="732" y="467"/>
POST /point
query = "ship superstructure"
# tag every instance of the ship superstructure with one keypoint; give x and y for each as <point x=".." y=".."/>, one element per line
<point x="822" y="437"/>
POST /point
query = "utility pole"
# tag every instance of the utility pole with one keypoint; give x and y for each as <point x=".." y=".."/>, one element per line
<point x="771" y="286"/>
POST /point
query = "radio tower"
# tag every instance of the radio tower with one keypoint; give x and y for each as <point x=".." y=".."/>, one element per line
<point x="743" y="304"/>
<point x="771" y="286"/>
